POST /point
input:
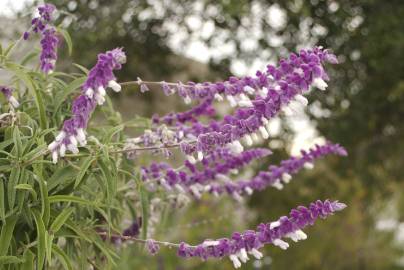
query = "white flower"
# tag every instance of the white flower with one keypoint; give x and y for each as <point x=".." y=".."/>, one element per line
<point x="280" y="243"/>
<point x="258" y="255"/>
<point x="308" y="165"/>
<point x="242" y="254"/>
<point x="264" y="132"/>
<point x="248" y="89"/>
<point x="218" y="97"/>
<point x="302" y="100"/>
<point x="248" y="140"/>
<point x="114" y="85"/>
<point x="13" y="102"/>
<point x="236" y="262"/>
<point x="320" y="83"/>
<point x="232" y="101"/>
<point x="286" y="177"/>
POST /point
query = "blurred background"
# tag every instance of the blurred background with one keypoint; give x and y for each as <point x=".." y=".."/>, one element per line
<point x="363" y="110"/>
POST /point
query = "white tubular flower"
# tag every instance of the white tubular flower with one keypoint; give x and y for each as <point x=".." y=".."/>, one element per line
<point x="73" y="148"/>
<point x="200" y="155"/>
<point x="232" y="101"/>
<point x="210" y="243"/>
<point x="274" y="224"/>
<point x="320" y="83"/>
<point x="236" y="262"/>
<point x="89" y="92"/>
<point x="302" y="100"/>
<point x="242" y="254"/>
<point x="60" y="136"/>
<point x="101" y="91"/>
<point x="187" y="100"/>
<point x="73" y="140"/>
<point x="55" y="157"/>
<point x="308" y="165"/>
<point x="191" y="159"/>
<point x="100" y="99"/>
<point x="278" y="185"/>
<point x="248" y="140"/>
<point x="258" y="255"/>
<point x="14" y="102"/>
<point x="248" y="89"/>
<point x="81" y="137"/>
<point x="249" y="190"/>
<point x="179" y="188"/>
<point x="264" y="132"/>
<point x="218" y="97"/>
<point x="114" y="85"/>
<point x="62" y="150"/>
<point x="244" y="101"/>
<point x="286" y="178"/>
<point x="52" y="146"/>
<point x="255" y="137"/>
<point x="280" y="243"/>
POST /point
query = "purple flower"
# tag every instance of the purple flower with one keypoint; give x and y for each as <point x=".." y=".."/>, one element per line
<point x="39" y="23"/>
<point x="152" y="246"/>
<point x="241" y="245"/>
<point x="7" y="92"/>
<point x="93" y="92"/>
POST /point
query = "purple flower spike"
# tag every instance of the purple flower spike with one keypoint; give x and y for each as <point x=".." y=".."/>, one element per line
<point x="93" y="92"/>
<point x="49" y="43"/>
<point x="7" y="92"/>
<point x="241" y="245"/>
<point x="277" y="176"/>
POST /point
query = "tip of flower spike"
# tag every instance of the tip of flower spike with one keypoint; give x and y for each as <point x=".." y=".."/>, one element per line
<point x="338" y="206"/>
<point x="119" y="55"/>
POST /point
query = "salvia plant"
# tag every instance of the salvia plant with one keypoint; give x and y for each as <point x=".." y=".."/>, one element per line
<point x="68" y="181"/>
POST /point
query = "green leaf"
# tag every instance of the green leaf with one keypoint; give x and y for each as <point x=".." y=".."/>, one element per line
<point x="69" y="198"/>
<point x="83" y="170"/>
<point x="2" y="202"/>
<point x="10" y="260"/>
<point x="70" y="88"/>
<point x="67" y="38"/>
<point x="61" y="219"/>
<point x="61" y="176"/>
<point x="63" y="258"/>
<point x="110" y="181"/>
<point x="45" y="204"/>
<point x="111" y="132"/>
<point x="12" y="182"/>
<point x="29" y="260"/>
<point x="27" y="187"/>
<point x="17" y="141"/>
<point x="83" y="69"/>
<point x="6" y="234"/>
<point x="49" y="242"/>
<point x="41" y="239"/>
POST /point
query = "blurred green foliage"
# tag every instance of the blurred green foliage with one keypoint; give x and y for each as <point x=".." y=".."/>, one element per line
<point x="364" y="111"/>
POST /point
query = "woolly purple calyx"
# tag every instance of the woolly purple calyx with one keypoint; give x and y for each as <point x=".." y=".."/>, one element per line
<point x="240" y="245"/>
<point x="93" y="92"/>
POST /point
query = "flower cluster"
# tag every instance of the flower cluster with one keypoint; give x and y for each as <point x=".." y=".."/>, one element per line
<point x="213" y="177"/>
<point x="271" y="91"/>
<point x="7" y="92"/>
<point x="49" y="39"/>
<point x="93" y="92"/>
<point x="214" y="166"/>
<point x="276" y="176"/>
<point x="240" y="245"/>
